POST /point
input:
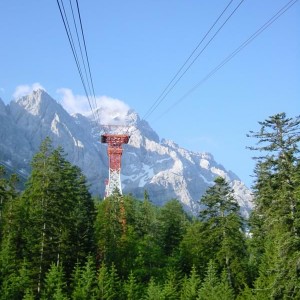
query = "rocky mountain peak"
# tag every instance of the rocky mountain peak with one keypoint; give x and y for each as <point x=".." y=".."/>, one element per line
<point x="163" y="168"/>
<point x="37" y="102"/>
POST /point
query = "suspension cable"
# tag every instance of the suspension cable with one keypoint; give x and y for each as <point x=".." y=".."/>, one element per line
<point x="168" y="89"/>
<point x="233" y="54"/>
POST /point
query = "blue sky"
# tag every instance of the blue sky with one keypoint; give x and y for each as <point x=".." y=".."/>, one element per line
<point x="136" y="47"/>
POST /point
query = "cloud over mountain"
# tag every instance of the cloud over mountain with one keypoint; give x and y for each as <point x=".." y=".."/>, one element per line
<point x="159" y="166"/>
<point x="110" y="110"/>
<point x="26" y="89"/>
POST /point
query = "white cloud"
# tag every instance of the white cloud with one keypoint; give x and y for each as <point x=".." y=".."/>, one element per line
<point x="25" y="89"/>
<point x="73" y="103"/>
<point x="111" y="111"/>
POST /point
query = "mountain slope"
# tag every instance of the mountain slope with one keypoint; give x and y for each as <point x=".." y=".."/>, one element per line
<point x="161" y="167"/>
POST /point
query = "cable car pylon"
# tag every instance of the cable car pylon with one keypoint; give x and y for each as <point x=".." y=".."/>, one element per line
<point x="114" y="142"/>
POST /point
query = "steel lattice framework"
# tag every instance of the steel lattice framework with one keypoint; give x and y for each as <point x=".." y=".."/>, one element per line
<point x="114" y="151"/>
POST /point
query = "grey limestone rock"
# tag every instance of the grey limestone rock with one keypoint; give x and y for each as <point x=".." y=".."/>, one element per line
<point x="161" y="167"/>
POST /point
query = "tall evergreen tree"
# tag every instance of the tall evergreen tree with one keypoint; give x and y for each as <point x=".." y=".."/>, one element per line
<point x="108" y="229"/>
<point x="16" y="283"/>
<point x="109" y="284"/>
<point x="84" y="281"/>
<point x="115" y="236"/>
<point x="190" y="286"/>
<point x="173" y="223"/>
<point x="11" y="251"/>
<point x="55" y="285"/>
<point x="223" y="228"/>
<point x="213" y="288"/>
<point x="102" y="279"/>
<point x="3" y="196"/>
<point x="194" y="249"/>
<point x="277" y="206"/>
<point x="154" y="291"/>
<point x="150" y="257"/>
<point x="132" y="288"/>
<point x="170" y="288"/>
<point x="57" y="210"/>
<point x="7" y="195"/>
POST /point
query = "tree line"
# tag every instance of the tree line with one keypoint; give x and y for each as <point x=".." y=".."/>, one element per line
<point x="57" y="242"/>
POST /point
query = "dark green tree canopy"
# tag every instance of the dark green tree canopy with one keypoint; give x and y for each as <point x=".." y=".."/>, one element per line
<point x="58" y="243"/>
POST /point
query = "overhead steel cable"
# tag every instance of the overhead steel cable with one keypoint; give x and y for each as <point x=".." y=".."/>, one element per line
<point x="187" y="60"/>
<point x="80" y="48"/>
<point x="168" y="89"/>
<point x="86" y="65"/>
<point x="233" y="54"/>
<point x="71" y="42"/>
<point x="87" y="59"/>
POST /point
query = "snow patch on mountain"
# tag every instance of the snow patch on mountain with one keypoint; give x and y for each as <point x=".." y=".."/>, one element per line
<point x="161" y="167"/>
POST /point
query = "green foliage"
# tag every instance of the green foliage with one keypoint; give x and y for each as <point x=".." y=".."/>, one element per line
<point x="114" y="233"/>
<point x="16" y="283"/>
<point x="276" y="218"/>
<point x="173" y="222"/>
<point x="194" y="249"/>
<point x="154" y="291"/>
<point x="213" y="288"/>
<point x="190" y="286"/>
<point x="131" y="288"/>
<point x="52" y="221"/>
<point x="223" y="232"/>
<point x="55" y="285"/>
<point x="170" y="287"/>
<point x="8" y="195"/>
<point x="109" y="284"/>
<point x="54" y="244"/>
<point x="84" y="281"/>
<point x="59" y="223"/>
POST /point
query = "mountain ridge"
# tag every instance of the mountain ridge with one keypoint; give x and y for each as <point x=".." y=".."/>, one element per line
<point x="160" y="166"/>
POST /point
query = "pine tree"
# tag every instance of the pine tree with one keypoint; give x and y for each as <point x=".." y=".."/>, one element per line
<point x="190" y="286"/>
<point x="222" y="226"/>
<point x="3" y="196"/>
<point x="114" y="284"/>
<point x="16" y="283"/>
<point x="194" y="249"/>
<point x="213" y="288"/>
<point x="154" y="291"/>
<point x="28" y="295"/>
<point x="209" y="287"/>
<point x="116" y="233"/>
<point x="131" y="288"/>
<point x="247" y="294"/>
<point x="8" y="195"/>
<point x="108" y="230"/>
<point x="11" y="252"/>
<point x="84" y="281"/>
<point x="55" y="285"/>
<point x="108" y="283"/>
<point x="173" y="222"/>
<point x="277" y="207"/>
<point x="58" y="209"/>
<point x="150" y="257"/>
<point x="102" y="281"/>
<point x="170" y="286"/>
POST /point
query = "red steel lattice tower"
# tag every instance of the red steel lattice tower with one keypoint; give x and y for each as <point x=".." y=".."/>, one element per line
<point x="114" y="151"/>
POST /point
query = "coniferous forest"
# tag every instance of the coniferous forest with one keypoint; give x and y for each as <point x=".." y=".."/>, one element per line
<point x="57" y="242"/>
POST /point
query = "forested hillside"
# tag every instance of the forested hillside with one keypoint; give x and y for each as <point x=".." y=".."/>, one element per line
<point x="57" y="242"/>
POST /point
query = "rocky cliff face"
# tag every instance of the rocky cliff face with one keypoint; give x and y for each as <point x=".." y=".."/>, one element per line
<point x="161" y="167"/>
